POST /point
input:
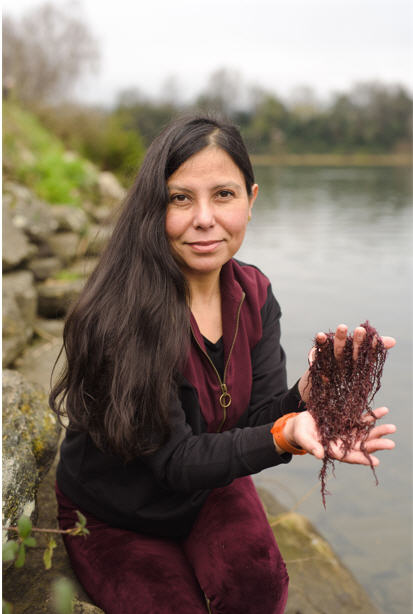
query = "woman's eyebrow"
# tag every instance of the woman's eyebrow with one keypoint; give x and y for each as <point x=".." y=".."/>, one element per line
<point x="230" y="184"/>
<point x="180" y="188"/>
<point x="220" y="186"/>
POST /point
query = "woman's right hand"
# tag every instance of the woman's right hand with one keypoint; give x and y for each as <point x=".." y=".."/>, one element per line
<point x="301" y="432"/>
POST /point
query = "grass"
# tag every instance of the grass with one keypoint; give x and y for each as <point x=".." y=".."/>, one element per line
<point x="35" y="157"/>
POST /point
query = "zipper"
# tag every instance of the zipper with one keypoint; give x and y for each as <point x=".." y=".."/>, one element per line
<point x="225" y="398"/>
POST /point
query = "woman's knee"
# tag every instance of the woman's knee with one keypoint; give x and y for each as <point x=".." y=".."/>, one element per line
<point x="259" y="586"/>
<point x="234" y="553"/>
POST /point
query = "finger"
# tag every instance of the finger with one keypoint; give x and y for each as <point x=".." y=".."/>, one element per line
<point x="311" y="355"/>
<point x="321" y="337"/>
<point x="306" y="435"/>
<point x="388" y="342"/>
<point x="358" y="338"/>
<point x="377" y="413"/>
<point x="340" y="339"/>
<point x="381" y="430"/>
<point x="355" y="457"/>
<point x="309" y="441"/>
<point x="374" y="445"/>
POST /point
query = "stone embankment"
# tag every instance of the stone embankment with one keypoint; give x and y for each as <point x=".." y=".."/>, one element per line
<point x="48" y="251"/>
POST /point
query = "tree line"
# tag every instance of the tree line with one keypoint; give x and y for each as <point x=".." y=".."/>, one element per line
<point x="370" y="118"/>
<point x="50" y="49"/>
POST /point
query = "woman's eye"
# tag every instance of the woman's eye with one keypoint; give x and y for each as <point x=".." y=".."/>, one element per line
<point x="179" y="198"/>
<point x="225" y="194"/>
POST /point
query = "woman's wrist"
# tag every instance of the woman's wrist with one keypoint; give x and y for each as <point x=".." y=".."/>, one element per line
<point x="283" y="435"/>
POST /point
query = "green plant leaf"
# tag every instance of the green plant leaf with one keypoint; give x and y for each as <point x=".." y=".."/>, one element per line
<point x="30" y="542"/>
<point x="48" y="553"/>
<point x="10" y="549"/>
<point x="21" y="556"/>
<point x="7" y="607"/>
<point x="25" y="526"/>
<point x="82" y="519"/>
<point x="63" y="594"/>
<point x="80" y="527"/>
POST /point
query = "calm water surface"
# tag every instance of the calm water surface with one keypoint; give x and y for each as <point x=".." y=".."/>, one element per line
<point x="337" y="246"/>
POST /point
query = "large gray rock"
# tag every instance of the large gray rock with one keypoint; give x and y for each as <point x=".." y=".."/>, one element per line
<point x="69" y="218"/>
<point x="21" y="285"/>
<point x="30" y="440"/>
<point x="64" y="245"/>
<point x="48" y="329"/>
<point x="319" y="582"/>
<point x="16" y="247"/>
<point x="103" y="214"/>
<point x="110" y="190"/>
<point x="29" y="588"/>
<point x="19" y="313"/>
<point x="97" y="238"/>
<point x="29" y="213"/>
<point x="42" y="268"/>
<point x="38" y="360"/>
<point x="16" y="333"/>
<point x="56" y="296"/>
<point x="84" y="266"/>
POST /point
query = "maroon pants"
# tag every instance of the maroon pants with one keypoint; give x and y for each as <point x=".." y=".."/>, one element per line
<point x="230" y="560"/>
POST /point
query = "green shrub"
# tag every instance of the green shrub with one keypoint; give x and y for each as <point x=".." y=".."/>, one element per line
<point x="37" y="158"/>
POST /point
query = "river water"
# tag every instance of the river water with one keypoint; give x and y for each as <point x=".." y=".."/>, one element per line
<point x="337" y="246"/>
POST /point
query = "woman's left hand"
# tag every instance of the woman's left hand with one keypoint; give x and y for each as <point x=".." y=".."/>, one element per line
<point x="340" y="338"/>
<point x="302" y="432"/>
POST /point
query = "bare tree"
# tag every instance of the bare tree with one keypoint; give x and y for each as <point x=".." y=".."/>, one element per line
<point x="224" y="92"/>
<point x="46" y="52"/>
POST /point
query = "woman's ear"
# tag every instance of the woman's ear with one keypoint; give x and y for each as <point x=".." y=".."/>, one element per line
<point x="254" y="194"/>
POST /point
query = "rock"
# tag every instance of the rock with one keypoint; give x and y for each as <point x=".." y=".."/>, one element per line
<point x="98" y="237"/>
<point x="20" y="481"/>
<point x="29" y="588"/>
<point x="15" y="331"/>
<point x="16" y="247"/>
<point x="80" y="607"/>
<point x="42" y="268"/>
<point x="21" y="285"/>
<point x="19" y="313"/>
<point x="56" y="295"/>
<point x="37" y="361"/>
<point x="110" y="190"/>
<point x="319" y="582"/>
<point x="69" y="218"/>
<point x="30" y="440"/>
<point x="64" y="245"/>
<point x="103" y="214"/>
<point x="84" y="266"/>
<point x="29" y="213"/>
<point x="48" y="329"/>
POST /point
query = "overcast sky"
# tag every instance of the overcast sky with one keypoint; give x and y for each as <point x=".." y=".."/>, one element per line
<point x="277" y="44"/>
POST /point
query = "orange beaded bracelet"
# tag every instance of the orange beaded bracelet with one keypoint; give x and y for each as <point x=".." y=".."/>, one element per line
<point x="278" y="435"/>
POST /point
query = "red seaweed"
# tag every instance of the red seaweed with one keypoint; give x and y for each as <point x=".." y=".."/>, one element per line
<point x="342" y="392"/>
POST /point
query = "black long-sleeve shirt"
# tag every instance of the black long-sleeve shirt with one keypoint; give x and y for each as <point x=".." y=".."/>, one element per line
<point x="210" y="444"/>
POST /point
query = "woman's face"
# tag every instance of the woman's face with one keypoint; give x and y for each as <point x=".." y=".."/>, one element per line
<point x="208" y="211"/>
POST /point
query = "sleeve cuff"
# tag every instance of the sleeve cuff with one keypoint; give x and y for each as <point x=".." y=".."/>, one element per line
<point x="293" y="401"/>
<point x="260" y="453"/>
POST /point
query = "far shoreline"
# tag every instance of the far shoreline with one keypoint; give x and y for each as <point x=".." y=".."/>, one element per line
<point x="396" y="160"/>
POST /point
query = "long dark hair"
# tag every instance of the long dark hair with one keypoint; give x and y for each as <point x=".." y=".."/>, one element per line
<point x="128" y="334"/>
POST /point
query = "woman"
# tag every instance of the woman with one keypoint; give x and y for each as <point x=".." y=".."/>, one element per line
<point x="175" y="376"/>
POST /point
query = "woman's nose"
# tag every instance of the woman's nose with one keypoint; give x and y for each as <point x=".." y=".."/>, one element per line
<point x="204" y="214"/>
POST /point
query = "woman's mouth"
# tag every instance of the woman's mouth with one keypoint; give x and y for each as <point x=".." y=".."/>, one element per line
<point x="204" y="246"/>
